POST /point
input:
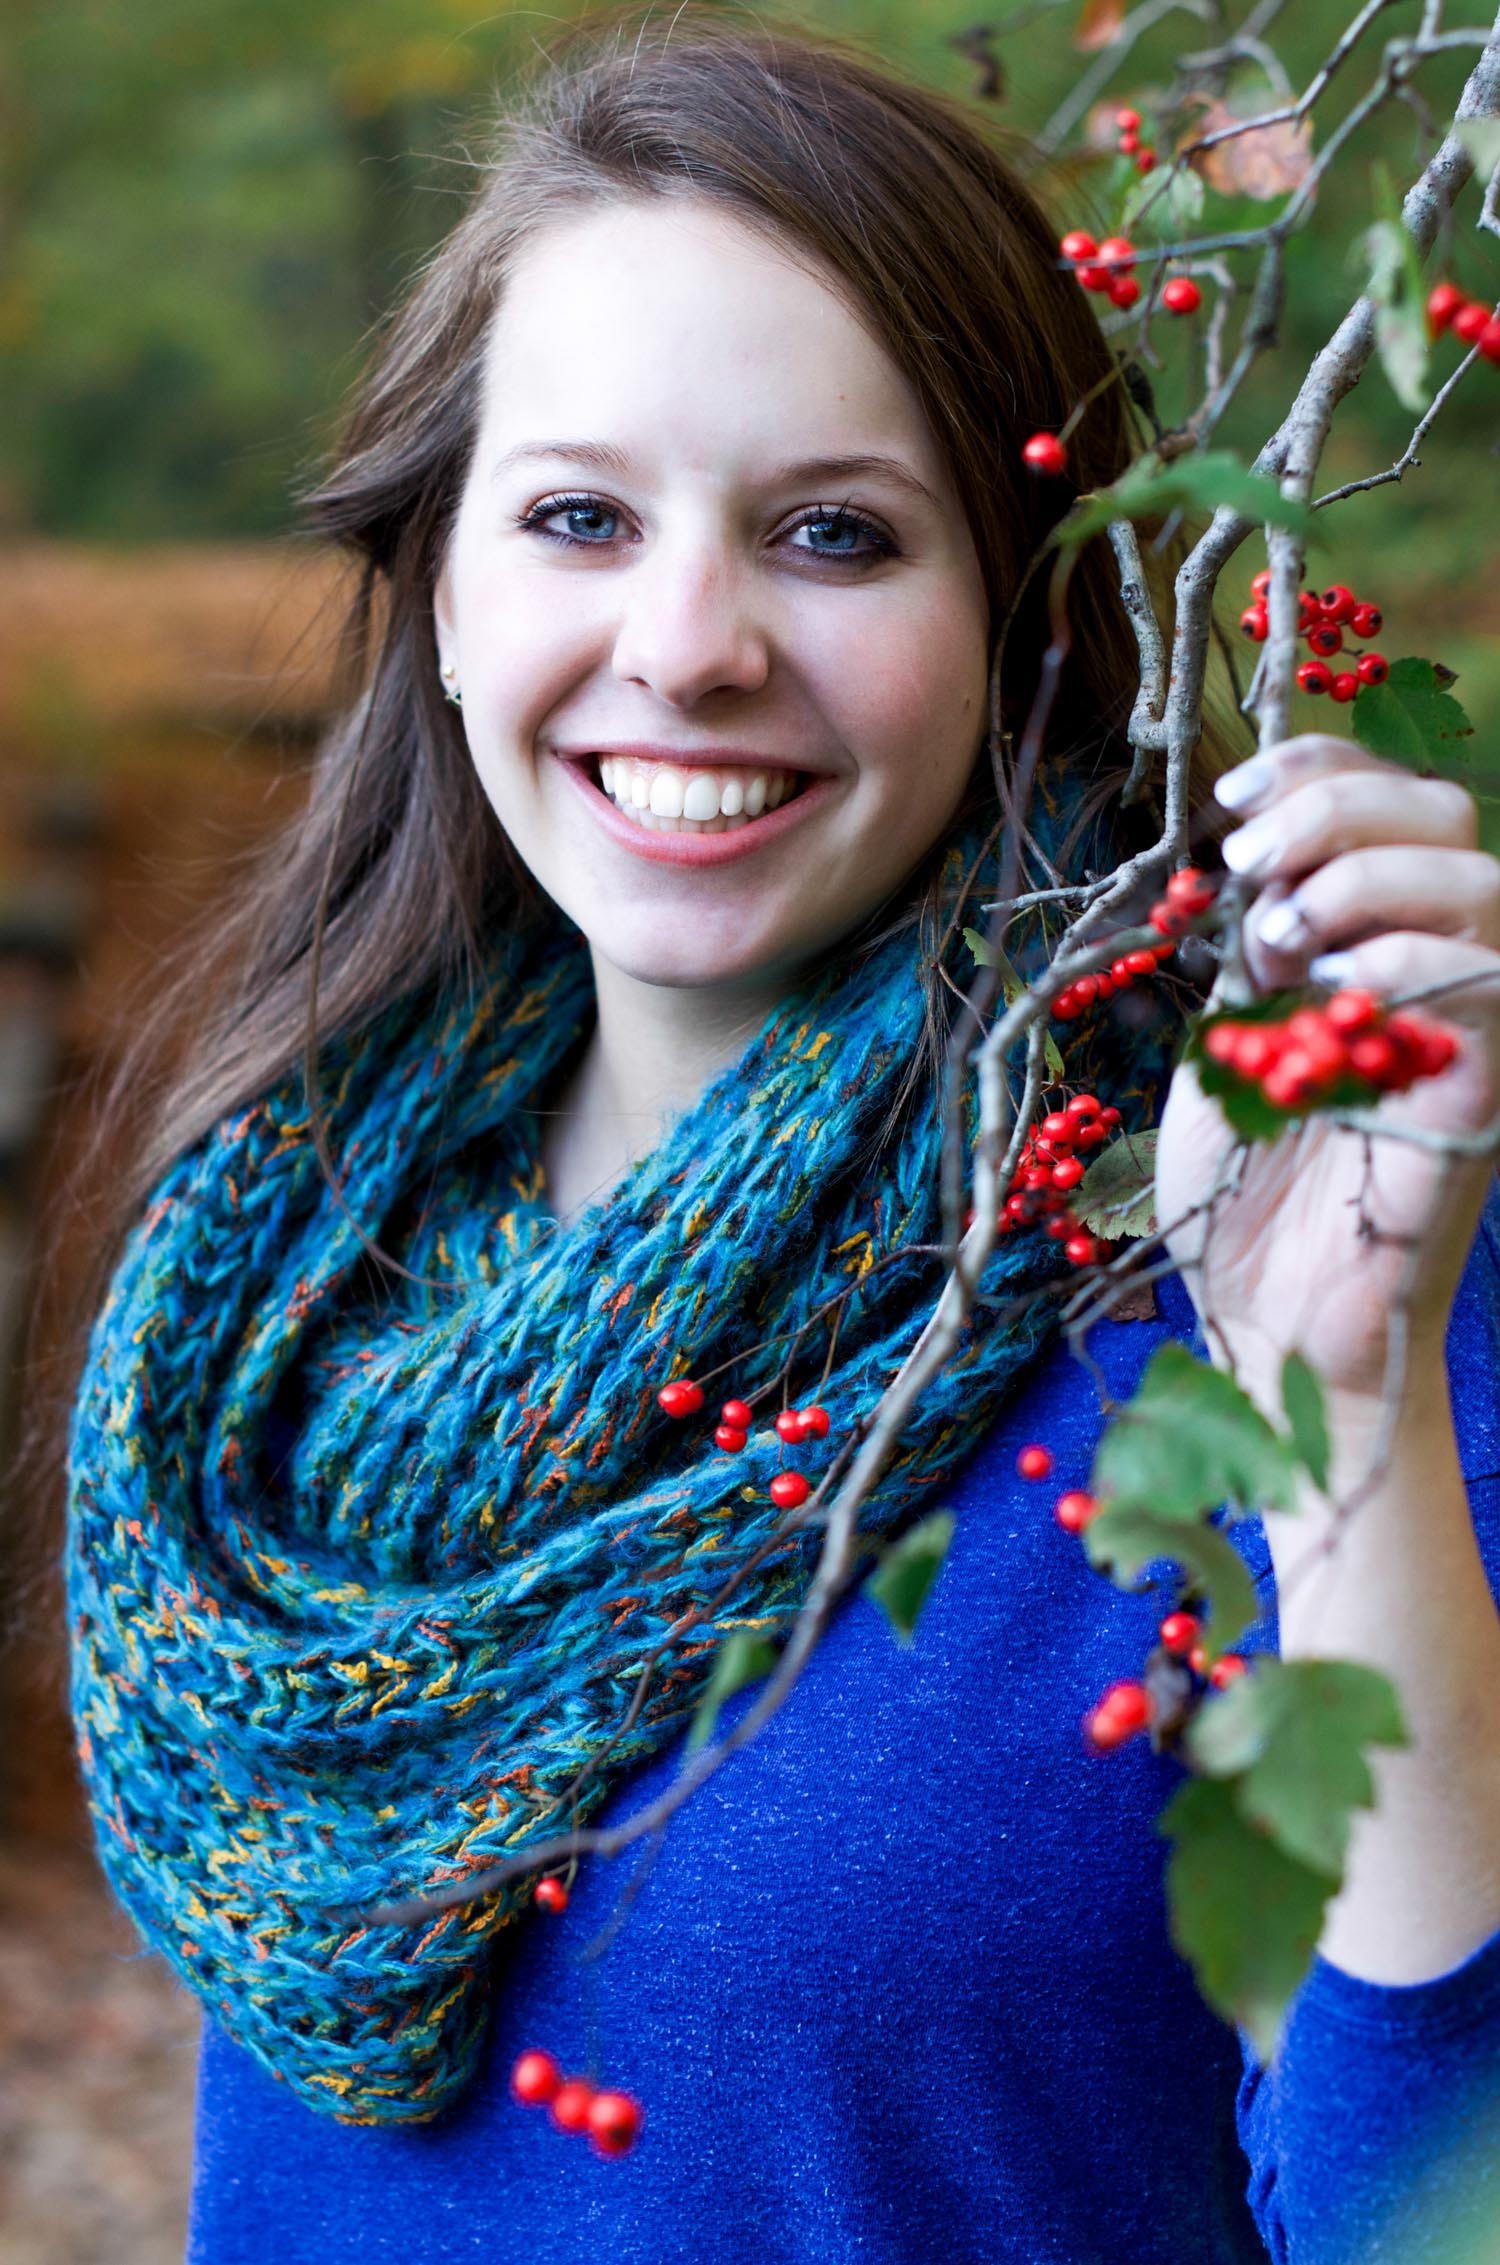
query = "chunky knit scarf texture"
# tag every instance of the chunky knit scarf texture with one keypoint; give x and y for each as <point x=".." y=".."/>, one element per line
<point x="360" y="1573"/>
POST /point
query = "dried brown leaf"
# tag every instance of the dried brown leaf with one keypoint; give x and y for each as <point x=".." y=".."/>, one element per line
<point x="1097" y="24"/>
<point x="1268" y="161"/>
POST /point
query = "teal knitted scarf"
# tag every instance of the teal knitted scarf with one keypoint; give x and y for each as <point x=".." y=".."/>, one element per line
<point x="360" y="1573"/>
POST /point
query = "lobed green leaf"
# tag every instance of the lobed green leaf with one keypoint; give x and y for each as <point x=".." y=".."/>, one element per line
<point x="1117" y="1194"/>
<point x="1189" y="1440"/>
<point x="1124" y="1541"/>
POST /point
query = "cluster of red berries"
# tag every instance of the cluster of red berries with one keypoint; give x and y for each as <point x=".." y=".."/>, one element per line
<point x="1127" y="1706"/>
<point x="1106" y="267"/>
<point x="1189" y="895"/>
<point x="1129" y="144"/>
<point x="789" y="1489"/>
<point x="1448" y="308"/>
<point x="1049" y="1168"/>
<point x="611" y="2119"/>
<point x="1322" y="620"/>
<point x="1349" y="1040"/>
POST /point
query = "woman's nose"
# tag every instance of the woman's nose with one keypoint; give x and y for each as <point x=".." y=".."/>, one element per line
<point x="690" y="626"/>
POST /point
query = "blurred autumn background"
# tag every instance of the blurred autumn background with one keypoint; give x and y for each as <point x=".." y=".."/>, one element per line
<point x="207" y="204"/>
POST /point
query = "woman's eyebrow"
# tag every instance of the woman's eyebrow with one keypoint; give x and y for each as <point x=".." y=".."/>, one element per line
<point x="605" y="458"/>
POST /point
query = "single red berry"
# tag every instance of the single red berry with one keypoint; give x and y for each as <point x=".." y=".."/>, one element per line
<point x="1366" y="621"/>
<point x="1082" y="1105"/>
<point x="1045" y="454"/>
<point x="535" y="2079"/>
<point x="1141" y="962"/>
<point x="1058" y="1126"/>
<point x="1225" y="1669"/>
<point x="1488" y="340"/>
<point x="681" y="1397"/>
<point x="1121" y="974"/>
<point x="789" y="1425"/>
<point x="1145" y="158"/>
<point x="1337" y="602"/>
<point x="815" y="1423"/>
<point x="1094" y="278"/>
<point x="1197" y="1659"/>
<point x="1470" y="321"/>
<point x="1352" y="1011"/>
<point x="1060" y="1226"/>
<point x="570" y="2104"/>
<point x="1179" y="1631"/>
<point x="550" y="1895"/>
<point x="614" y="2122"/>
<point x="1169" y="919"/>
<point x="1110" y="1117"/>
<point x="1190" y="886"/>
<point x="1326" y="638"/>
<point x="1078" y="244"/>
<point x="1066" y="1007"/>
<point x="1074" y="1509"/>
<point x="1086" y="990"/>
<point x="1128" y="121"/>
<point x="1344" y="686"/>
<point x="788" y="1489"/>
<point x="1373" y="1056"/>
<point x="1034" y="1462"/>
<point x="1443" y="303"/>
<point x="1068" y="1173"/>
<point x="1130" y="142"/>
<point x="1181" y="296"/>
<point x="1315" y="676"/>
<point x="738" y="1414"/>
<point x="1260" y="583"/>
<point x="1372" y="668"/>
<point x="1090" y="1136"/>
<point x="1124" y="1709"/>
<point x="730" y="1437"/>
<point x="1436" y="1047"/>
<point x="1124" y="291"/>
<point x="1308" y="609"/>
<point x="1221" y="1041"/>
<point x="1082" y="1250"/>
<point x="1117" y="251"/>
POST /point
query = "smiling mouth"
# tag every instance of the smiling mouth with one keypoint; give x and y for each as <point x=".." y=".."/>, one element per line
<point x="665" y="798"/>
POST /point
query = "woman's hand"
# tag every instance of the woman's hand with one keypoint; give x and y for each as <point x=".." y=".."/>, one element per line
<point x="1363" y="860"/>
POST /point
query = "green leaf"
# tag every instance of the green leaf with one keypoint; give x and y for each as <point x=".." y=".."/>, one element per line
<point x="1117" y="1194"/>
<point x="992" y="955"/>
<point x="1411" y="719"/>
<point x="1244" y="1914"/>
<point x="907" y="1569"/>
<point x="1189" y="1440"/>
<point x="1189" y="483"/>
<point x="1481" y="138"/>
<point x="1124" y="1541"/>
<point x="1172" y="208"/>
<point x="1302" y="1398"/>
<point x="1394" y="286"/>
<point x="740" y="1659"/>
<point x="1291" y="1737"/>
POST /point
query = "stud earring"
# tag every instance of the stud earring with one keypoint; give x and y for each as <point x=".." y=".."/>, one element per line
<point x="451" y="693"/>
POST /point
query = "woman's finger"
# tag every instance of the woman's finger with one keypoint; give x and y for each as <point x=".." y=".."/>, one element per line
<point x="1461" y="979"/>
<point x="1447" y="892"/>
<point x="1352" y="809"/>
<point x="1253" y="785"/>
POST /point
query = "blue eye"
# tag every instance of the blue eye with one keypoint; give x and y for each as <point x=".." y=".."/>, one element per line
<point x="876" y="543"/>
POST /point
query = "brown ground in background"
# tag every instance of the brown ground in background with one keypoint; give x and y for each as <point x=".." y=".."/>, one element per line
<point x="139" y="690"/>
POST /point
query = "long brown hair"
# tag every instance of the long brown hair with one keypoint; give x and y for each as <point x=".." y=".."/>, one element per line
<point x="914" y="206"/>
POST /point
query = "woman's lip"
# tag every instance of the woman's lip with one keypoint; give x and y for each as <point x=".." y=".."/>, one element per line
<point x="696" y="849"/>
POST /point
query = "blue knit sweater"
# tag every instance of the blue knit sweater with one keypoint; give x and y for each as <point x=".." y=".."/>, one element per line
<point x="899" y="1987"/>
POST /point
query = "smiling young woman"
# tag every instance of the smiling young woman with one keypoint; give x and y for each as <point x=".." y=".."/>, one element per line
<point x="580" y="1037"/>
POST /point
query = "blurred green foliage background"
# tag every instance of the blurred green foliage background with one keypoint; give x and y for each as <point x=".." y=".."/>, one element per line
<point x="209" y="203"/>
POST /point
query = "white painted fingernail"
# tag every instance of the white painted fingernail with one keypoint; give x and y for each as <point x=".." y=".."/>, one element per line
<point x="1280" y="924"/>
<point x="1336" y="969"/>
<point x="1253" y="848"/>
<point x="1247" y="784"/>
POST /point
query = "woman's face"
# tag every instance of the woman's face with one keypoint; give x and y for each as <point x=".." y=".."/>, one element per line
<point x="664" y="556"/>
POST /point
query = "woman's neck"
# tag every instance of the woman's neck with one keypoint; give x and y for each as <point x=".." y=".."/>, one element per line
<point x="653" y="1051"/>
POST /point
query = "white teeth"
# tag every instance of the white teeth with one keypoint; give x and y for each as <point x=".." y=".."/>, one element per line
<point x="666" y="792"/>
<point x="670" y="800"/>
<point x="700" y="798"/>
